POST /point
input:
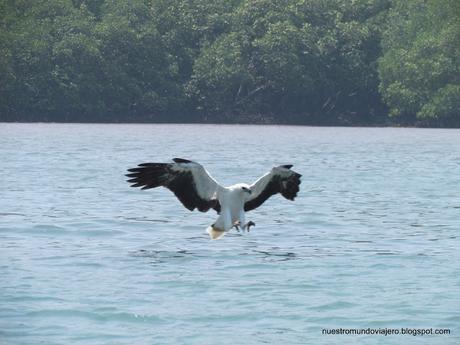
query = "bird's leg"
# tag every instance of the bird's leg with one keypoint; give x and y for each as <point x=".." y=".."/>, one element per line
<point x="227" y="218"/>
<point x="236" y="225"/>
<point x="248" y="225"/>
<point x="241" y="221"/>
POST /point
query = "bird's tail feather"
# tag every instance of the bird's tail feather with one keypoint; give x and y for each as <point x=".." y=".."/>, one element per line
<point x="215" y="233"/>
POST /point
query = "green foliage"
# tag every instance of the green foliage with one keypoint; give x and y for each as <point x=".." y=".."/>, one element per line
<point x="135" y="71"/>
<point x="43" y="41"/>
<point x="304" y="60"/>
<point x="420" y="69"/>
<point x="284" y="61"/>
<point x="444" y="105"/>
<point x="219" y="72"/>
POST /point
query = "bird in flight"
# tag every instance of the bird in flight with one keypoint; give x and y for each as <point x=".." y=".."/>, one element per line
<point x="195" y="188"/>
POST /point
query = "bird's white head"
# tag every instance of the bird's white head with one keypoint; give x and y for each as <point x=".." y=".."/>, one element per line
<point x="243" y="188"/>
<point x="246" y="189"/>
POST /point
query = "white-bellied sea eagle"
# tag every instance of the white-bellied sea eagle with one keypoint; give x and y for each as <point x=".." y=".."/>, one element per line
<point x="195" y="188"/>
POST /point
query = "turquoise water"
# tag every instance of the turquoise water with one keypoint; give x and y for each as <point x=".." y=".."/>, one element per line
<point x="372" y="240"/>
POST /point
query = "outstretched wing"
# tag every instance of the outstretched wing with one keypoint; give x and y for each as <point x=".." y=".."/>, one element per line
<point x="279" y="180"/>
<point x="189" y="181"/>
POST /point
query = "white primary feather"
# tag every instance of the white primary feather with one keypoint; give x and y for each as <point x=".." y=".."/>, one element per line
<point x="206" y="186"/>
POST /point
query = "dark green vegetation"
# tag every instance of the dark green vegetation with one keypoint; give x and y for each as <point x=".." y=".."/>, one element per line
<point x="282" y="61"/>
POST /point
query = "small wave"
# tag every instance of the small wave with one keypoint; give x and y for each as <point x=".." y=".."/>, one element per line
<point x="23" y="298"/>
<point x="40" y="229"/>
<point x="145" y="219"/>
<point x="334" y="305"/>
<point x="12" y="214"/>
<point x="281" y="256"/>
<point x="99" y="233"/>
<point x="103" y="317"/>
<point x="158" y="256"/>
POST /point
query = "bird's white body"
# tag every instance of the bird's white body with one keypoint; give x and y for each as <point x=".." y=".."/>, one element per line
<point x="232" y="201"/>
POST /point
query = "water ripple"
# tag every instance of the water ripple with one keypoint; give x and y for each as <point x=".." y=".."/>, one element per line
<point x="371" y="240"/>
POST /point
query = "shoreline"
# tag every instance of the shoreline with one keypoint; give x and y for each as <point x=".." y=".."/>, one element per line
<point x="339" y="125"/>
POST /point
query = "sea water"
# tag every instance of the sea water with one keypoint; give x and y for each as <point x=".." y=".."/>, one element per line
<point x="371" y="242"/>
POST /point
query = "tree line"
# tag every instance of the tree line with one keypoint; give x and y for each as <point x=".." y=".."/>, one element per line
<point x="321" y="62"/>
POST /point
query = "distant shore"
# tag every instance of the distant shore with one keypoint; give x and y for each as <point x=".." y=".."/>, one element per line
<point x="345" y="125"/>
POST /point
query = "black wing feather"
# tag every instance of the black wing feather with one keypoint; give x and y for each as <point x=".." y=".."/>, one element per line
<point x="287" y="186"/>
<point x="152" y="175"/>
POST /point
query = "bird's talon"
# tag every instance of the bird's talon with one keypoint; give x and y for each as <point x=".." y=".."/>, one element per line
<point x="248" y="225"/>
